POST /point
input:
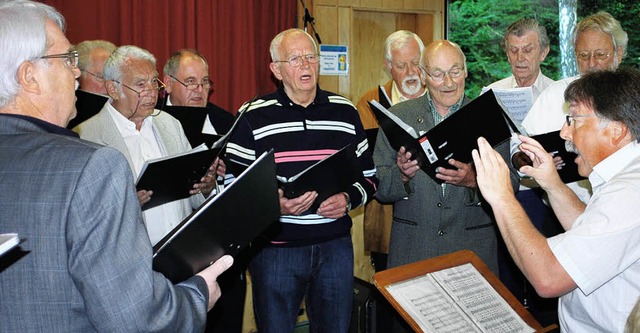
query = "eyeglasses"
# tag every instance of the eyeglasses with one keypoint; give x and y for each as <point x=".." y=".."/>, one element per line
<point x="70" y="58"/>
<point x="156" y="85"/>
<point x="142" y="90"/>
<point x="191" y="86"/>
<point x="299" y="60"/>
<point x="568" y="117"/>
<point x="597" y="54"/>
<point x="99" y="77"/>
<point x="438" y="76"/>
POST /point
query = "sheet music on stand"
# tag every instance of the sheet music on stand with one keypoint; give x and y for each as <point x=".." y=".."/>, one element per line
<point x="457" y="299"/>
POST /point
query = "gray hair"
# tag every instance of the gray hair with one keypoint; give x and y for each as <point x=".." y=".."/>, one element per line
<point x="604" y="22"/>
<point x="613" y="96"/>
<point x="522" y="26"/>
<point x="400" y="39"/>
<point x="85" y="48"/>
<point x="23" y="37"/>
<point x="121" y="56"/>
<point x="173" y="63"/>
<point x="277" y="40"/>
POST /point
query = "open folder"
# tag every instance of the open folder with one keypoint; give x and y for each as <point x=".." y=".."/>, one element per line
<point x="455" y="292"/>
<point x="192" y="119"/>
<point x="223" y="224"/>
<point x="334" y="174"/>
<point x="555" y="145"/>
<point x="455" y="137"/>
<point x="171" y="178"/>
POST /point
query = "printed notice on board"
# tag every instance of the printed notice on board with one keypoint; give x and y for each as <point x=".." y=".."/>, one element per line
<point x="334" y="60"/>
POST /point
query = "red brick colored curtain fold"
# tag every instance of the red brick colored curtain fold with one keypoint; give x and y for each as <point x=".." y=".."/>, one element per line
<point x="233" y="35"/>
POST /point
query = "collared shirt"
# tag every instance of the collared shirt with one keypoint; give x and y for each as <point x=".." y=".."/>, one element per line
<point x="438" y="118"/>
<point x="144" y="145"/>
<point x="600" y="252"/>
<point x="397" y="96"/>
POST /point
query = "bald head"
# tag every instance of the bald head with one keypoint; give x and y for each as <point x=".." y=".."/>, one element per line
<point x="445" y="67"/>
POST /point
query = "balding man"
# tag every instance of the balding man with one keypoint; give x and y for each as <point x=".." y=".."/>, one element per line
<point x="431" y="219"/>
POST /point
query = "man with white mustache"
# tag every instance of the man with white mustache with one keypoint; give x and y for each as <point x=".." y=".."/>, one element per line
<point x="402" y="60"/>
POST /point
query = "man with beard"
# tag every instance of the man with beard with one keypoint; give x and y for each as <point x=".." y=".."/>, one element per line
<point x="402" y="60"/>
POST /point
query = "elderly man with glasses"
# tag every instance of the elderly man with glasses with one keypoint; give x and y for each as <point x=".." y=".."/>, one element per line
<point x="186" y="74"/>
<point x="600" y="43"/>
<point x="131" y="124"/>
<point x="594" y="266"/>
<point x="431" y="219"/>
<point x="85" y="262"/>
<point x="310" y="254"/>
<point x="91" y="93"/>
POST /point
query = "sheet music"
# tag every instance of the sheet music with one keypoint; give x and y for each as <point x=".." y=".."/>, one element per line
<point x="518" y="101"/>
<point x="457" y="299"/>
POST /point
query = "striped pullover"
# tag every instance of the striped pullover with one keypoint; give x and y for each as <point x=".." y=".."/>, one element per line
<point x="300" y="137"/>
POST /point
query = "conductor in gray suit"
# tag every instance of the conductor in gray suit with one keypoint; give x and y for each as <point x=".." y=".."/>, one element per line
<point x="430" y="219"/>
<point x="86" y="262"/>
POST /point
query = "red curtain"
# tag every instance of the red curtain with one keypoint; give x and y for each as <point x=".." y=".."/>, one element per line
<point x="233" y="35"/>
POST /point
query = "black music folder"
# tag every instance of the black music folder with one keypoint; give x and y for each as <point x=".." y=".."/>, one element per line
<point x="555" y="145"/>
<point x="383" y="98"/>
<point x="334" y="174"/>
<point x="171" y="178"/>
<point x="87" y="105"/>
<point x="223" y="224"/>
<point x="455" y="137"/>
<point x="192" y="120"/>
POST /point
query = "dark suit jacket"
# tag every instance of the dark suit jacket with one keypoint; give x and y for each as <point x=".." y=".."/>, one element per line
<point x="88" y="266"/>
<point x="193" y="119"/>
<point x="427" y="223"/>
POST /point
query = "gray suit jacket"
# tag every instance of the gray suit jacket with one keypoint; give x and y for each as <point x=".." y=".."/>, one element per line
<point x="427" y="223"/>
<point x="102" y="129"/>
<point x="88" y="261"/>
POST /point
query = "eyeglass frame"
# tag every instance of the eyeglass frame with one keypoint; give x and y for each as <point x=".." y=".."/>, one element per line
<point x="445" y="73"/>
<point x="581" y="55"/>
<point x="197" y="85"/>
<point x="99" y="77"/>
<point x="73" y="64"/>
<point x="302" y="58"/>
<point x="568" y="117"/>
<point x="160" y="86"/>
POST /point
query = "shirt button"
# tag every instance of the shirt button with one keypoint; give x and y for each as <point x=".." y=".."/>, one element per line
<point x="440" y="233"/>
<point x="439" y="204"/>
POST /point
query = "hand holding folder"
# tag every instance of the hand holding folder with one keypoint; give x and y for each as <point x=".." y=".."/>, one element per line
<point x="223" y="224"/>
<point x="327" y="177"/>
<point x="171" y="178"/>
<point x="453" y="138"/>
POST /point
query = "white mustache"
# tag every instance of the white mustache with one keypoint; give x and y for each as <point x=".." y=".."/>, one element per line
<point x="570" y="147"/>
